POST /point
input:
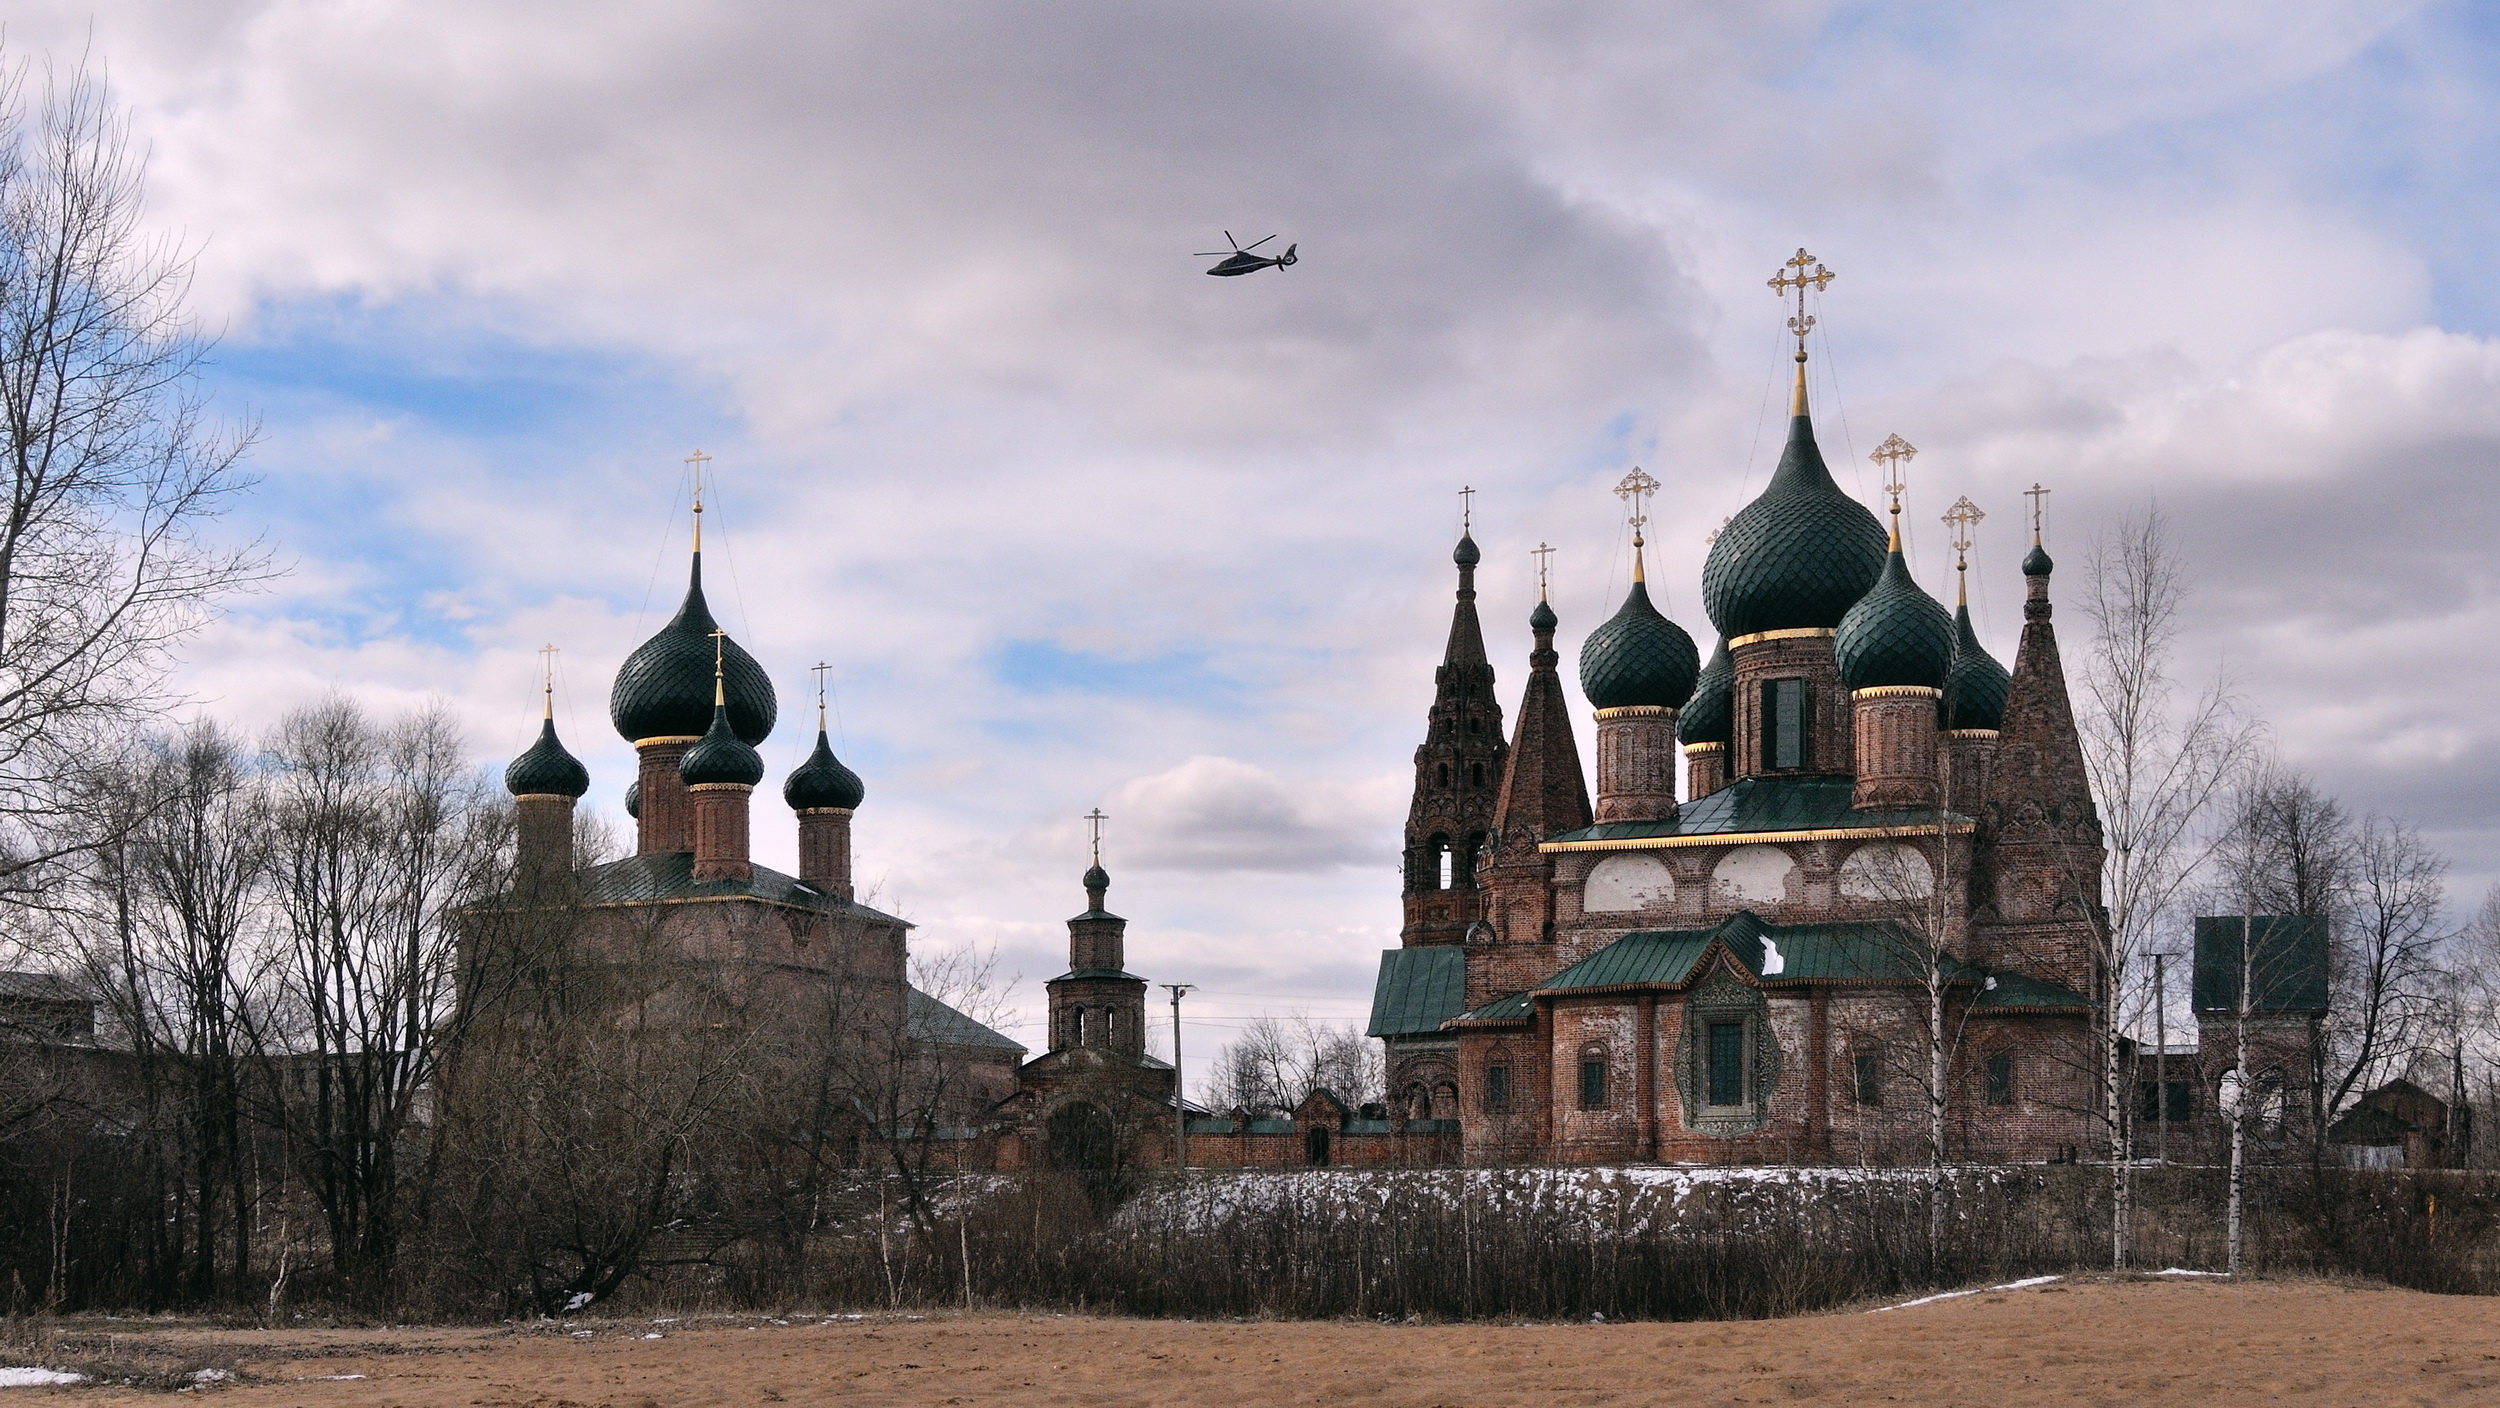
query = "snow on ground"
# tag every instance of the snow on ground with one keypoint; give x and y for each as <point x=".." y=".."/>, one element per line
<point x="37" y="1378"/>
<point x="2024" y="1284"/>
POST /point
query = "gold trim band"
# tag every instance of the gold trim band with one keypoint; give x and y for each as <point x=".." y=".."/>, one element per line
<point x="719" y="787"/>
<point x="689" y="739"/>
<point x="836" y="811"/>
<point x="1896" y="691"/>
<point x="542" y="797"/>
<point x="1692" y="748"/>
<point x="1793" y="633"/>
<point x="1749" y="838"/>
<point x="1973" y="735"/>
<point x="1635" y="711"/>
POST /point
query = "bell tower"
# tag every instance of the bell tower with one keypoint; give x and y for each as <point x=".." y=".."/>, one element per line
<point x="1458" y="775"/>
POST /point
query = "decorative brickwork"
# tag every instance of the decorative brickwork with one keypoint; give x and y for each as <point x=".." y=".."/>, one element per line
<point x="1705" y="769"/>
<point x="1458" y="774"/>
<point x="720" y="831"/>
<point x="1894" y="727"/>
<point x="665" y="813"/>
<point x="1804" y="655"/>
<point x="825" y="849"/>
<point x="1635" y="764"/>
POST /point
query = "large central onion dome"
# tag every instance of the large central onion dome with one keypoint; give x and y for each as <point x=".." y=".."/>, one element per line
<point x="1800" y="555"/>
<point x="665" y="687"/>
<point x="823" y="783"/>
<point x="1711" y="717"/>
<point x="1896" y="635"/>
<point x="1638" y="657"/>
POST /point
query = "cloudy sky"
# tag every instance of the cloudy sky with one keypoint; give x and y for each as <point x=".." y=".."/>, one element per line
<point x="1076" y="525"/>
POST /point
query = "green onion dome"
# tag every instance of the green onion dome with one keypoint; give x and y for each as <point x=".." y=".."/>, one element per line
<point x="822" y="782"/>
<point x="721" y="756"/>
<point x="1711" y="717"/>
<point x="1975" y="684"/>
<point x="1638" y="657"/>
<point x="633" y="799"/>
<point x="665" y="688"/>
<point x="1896" y="635"/>
<point x="1097" y="878"/>
<point x="1800" y="555"/>
<point x="546" y="770"/>
<point x="1543" y="618"/>
<point x="2036" y="562"/>
<point x="1466" y="554"/>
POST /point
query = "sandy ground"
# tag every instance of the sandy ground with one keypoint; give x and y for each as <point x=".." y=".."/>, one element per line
<point x="2132" y="1343"/>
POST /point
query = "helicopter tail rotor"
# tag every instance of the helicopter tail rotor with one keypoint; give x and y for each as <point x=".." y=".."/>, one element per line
<point x="1288" y="257"/>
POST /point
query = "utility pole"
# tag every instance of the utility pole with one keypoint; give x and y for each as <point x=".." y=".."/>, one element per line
<point x="1180" y="1108"/>
<point x="2161" y="1053"/>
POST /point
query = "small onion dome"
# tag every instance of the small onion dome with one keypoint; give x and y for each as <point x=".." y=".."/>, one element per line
<point x="1800" y="555"/>
<point x="1466" y="554"/>
<point x="1975" y="684"/>
<point x="1543" y="618"/>
<point x="721" y="756"/>
<point x="2036" y="562"/>
<point x="665" y="687"/>
<point x="1638" y="657"/>
<point x="1711" y="717"/>
<point x="1097" y="878"/>
<point x="822" y="782"/>
<point x="633" y="799"/>
<point x="1896" y="635"/>
<point x="546" y="770"/>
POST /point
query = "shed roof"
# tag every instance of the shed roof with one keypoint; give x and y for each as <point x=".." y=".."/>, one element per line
<point x="1418" y="990"/>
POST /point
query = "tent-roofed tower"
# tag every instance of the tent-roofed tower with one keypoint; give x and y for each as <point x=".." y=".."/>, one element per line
<point x="1458" y="776"/>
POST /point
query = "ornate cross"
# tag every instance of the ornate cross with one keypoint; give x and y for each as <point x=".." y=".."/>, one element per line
<point x="1782" y="281"/>
<point x="1635" y="491"/>
<point x="547" y="652"/>
<point x="1467" y="510"/>
<point x="720" y="639"/>
<point x="1961" y="518"/>
<point x="1891" y="455"/>
<point x="818" y="670"/>
<point x="698" y="459"/>
<point x="1543" y="553"/>
<point x="2036" y="494"/>
<point x="1095" y="819"/>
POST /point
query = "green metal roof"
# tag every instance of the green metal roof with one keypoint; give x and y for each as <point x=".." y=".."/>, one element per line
<point x="1800" y="555"/>
<point x="2014" y="991"/>
<point x="1710" y="715"/>
<point x="1511" y="1009"/>
<point x="2286" y="960"/>
<point x="1765" y="804"/>
<point x="1638" y="657"/>
<point x="1896" y="635"/>
<point x="666" y="876"/>
<point x="1418" y="990"/>
<point x="930" y="1020"/>
<point x="664" y="688"/>
<point x="546" y="770"/>
<point x="1090" y="974"/>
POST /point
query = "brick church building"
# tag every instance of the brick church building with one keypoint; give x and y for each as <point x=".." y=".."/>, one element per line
<point x="1874" y="813"/>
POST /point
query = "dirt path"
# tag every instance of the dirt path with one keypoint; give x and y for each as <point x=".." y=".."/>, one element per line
<point x="2140" y="1343"/>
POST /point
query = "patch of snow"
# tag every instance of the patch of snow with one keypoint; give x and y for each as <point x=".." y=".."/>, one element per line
<point x="1772" y="964"/>
<point x="340" y="1378"/>
<point x="2024" y="1284"/>
<point x="1992" y="983"/>
<point x="2183" y="1271"/>
<point x="585" y="1334"/>
<point x="671" y="1320"/>
<point x="38" y="1378"/>
<point x="653" y="1335"/>
<point x="580" y="1299"/>
<point x="211" y="1376"/>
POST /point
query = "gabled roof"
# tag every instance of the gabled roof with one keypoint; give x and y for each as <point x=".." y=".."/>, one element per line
<point x="668" y="877"/>
<point x="1771" y="955"/>
<point x="1418" y="990"/>
<point x="1790" y="807"/>
<point x="930" y="1020"/>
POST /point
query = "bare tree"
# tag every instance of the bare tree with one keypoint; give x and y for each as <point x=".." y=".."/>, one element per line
<point x="114" y="470"/>
<point x="2159" y="759"/>
<point x="1277" y="1064"/>
<point x="382" y="837"/>
<point x="2386" y="971"/>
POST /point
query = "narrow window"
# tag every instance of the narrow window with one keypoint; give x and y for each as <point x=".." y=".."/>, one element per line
<point x="1446" y="866"/>
<point x="1475" y="774"/>
<point x="1496" y="1089"/>
<point x="2001" y="1080"/>
<point x="2147" y="1102"/>
<point x="1783" y="724"/>
<point x="2182" y="1101"/>
<point x="1727" y="1063"/>
<point x="1443" y="776"/>
<point x="1870" y="1074"/>
<point x="1593" y="1083"/>
<point x="1076" y="1026"/>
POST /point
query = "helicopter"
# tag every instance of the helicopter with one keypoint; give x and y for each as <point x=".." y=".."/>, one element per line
<point x="1239" y="260"/>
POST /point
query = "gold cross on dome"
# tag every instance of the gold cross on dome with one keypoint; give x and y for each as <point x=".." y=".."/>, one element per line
<point x="1783" y="281"/>
<point x="1962" y="518"/>
<point x="1543" y="553"/>
<point x="1467" y="510"/>
<point x="547" y="653"/>
<point x="1890" y="456"/>
<point x="818" y="670"/>
<point x="698" y="460"/>
<point x="1635" y="491"/>
<point x="1095" y="819"/>
<point x="2038" y="497"/>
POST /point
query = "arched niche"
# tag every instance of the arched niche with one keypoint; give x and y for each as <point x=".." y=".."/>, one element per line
<point x="1625" y="884"/>
<point x="1752" y="875"/>
<point x="1886" y="871"/>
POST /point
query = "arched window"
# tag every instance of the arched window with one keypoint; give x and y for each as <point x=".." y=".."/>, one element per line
<point x="1076" y="1026"/>
<point x="1868" y="1068"/>
<point x="1442" y="861"/>
<point x="1593" y="1077"/>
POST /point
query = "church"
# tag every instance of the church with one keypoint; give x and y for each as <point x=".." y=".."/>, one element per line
<point x="1875" y="892"/>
